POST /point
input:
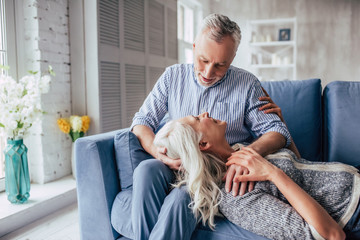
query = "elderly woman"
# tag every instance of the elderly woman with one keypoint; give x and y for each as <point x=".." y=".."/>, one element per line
<point x="292" y="199"/>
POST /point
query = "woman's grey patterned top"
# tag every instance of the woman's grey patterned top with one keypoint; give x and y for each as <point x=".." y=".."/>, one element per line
<point x="266" y="212"/>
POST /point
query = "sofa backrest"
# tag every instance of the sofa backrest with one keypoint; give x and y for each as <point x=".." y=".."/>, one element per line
<point x="300" y="102"/>
<point x="342" y="122"/>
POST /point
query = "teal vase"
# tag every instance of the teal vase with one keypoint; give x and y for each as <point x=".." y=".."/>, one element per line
<point x="17" y="180"/>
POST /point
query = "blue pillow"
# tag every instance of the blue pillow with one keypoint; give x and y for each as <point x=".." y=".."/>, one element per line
<point x="128" y="153"/>
<point x="341" y="130"/>
<point x="300" y="102"/>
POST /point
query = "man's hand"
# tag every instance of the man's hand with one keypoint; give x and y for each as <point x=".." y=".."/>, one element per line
<point x="232" y="184"/>
<point x="146" y="137"/>
<point x="173" y="164"/>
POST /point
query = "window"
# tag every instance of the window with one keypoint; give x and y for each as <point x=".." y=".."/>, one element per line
<point x="7" y="58"/>
<point x="189" y="18"/>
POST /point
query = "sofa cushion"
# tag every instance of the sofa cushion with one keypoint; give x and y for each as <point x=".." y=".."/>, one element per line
<point x="121" y="214"/>
<point x="341" y="122"/>
<point x="300" y="102"/>
<point x="128" y="154"/>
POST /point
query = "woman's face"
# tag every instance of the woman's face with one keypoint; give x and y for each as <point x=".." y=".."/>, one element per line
<point x="211" y="129"/>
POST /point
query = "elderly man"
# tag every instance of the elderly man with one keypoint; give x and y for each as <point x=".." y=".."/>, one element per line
<point x="210" y="85"/>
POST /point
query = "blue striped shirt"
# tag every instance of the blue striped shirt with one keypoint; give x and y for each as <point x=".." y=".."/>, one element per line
<point x="233" y="99"/>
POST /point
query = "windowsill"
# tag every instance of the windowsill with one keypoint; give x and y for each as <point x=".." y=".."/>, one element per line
<point x="44" y="200"/>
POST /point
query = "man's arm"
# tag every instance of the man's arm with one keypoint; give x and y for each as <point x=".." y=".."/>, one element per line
<point x="268" y="143"/>
<point x="146" y="137"/>
<point x="271" y="107"/>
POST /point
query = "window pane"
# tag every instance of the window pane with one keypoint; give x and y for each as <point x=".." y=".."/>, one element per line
<point x="189" y="25"/>
<point x="181" y="22"/>
<point x="2" y="62"/>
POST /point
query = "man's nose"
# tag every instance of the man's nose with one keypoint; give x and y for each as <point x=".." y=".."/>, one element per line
<point x="209" y="70"/>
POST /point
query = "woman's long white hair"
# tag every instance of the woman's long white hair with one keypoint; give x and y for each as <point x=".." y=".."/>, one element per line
<point x="201" y="172"/>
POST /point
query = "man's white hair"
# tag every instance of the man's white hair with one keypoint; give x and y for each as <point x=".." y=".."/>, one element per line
<point x="201" y="172"/>
<point x="220" y="26"/>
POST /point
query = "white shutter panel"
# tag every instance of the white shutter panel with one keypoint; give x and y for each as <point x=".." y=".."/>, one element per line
<point x="110" y="102"/>
<point x="156" y="28"/>
<point x="135" y="90"/>
<point x="136" y="42"/>
<point x="109" y="71"/>
<point x="134" y="26"/>
<point x="172" y="34"/>
<point x="154" y="74"/>
<point x="109" y="22"/>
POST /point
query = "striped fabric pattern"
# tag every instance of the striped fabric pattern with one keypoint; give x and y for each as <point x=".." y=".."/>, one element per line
<point x="233" y="99"/>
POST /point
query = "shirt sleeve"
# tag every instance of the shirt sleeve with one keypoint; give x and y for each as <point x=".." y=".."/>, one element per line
<point x="265" y="215"/>
<point x="258" y="121"/>
<point x="155" y="105"/>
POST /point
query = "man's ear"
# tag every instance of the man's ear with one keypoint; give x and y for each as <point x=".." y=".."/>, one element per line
<point x="204" y="145"/>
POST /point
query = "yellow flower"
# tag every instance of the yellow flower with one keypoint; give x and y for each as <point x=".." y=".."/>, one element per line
<point x="85" y="123"/>
<point x="64" y="125"/>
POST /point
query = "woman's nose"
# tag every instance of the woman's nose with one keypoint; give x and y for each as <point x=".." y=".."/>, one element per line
<point x="205" y="115"/>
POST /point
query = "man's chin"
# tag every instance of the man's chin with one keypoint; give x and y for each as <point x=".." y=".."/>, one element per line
<point x="206" y="83"/>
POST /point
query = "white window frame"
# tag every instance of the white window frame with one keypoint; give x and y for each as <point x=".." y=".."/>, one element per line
<point x="185" y="45"/>
<point x="8" y="6"/>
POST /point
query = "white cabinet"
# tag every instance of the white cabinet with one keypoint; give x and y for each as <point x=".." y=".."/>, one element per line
<point x="273" y="48"/>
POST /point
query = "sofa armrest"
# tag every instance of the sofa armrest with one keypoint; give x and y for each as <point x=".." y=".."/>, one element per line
<point x="97" y="185"/>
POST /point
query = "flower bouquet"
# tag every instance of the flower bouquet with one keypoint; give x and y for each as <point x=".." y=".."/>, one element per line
<point x="20" y="103"/>
<point x="75" y="126"/>
<point x="20" y="108"/>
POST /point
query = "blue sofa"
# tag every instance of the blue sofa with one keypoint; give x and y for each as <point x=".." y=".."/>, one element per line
<point x="324" y="125"/>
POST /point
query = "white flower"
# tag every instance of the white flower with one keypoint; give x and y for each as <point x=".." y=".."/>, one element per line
<point x="75" y="123"/>
<point x="20" y="103"/>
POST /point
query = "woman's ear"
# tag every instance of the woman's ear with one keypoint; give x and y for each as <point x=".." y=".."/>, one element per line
<point x="204" y="145"/>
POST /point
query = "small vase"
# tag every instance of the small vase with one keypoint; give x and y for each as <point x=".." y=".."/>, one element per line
<point x="17" y="180"/>
<point x="73" y="160"/>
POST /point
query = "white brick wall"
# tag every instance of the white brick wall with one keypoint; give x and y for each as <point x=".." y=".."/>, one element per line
<point x="46" y="42"/>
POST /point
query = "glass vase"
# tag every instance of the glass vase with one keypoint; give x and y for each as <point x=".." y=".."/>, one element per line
<point x="17" y="180"/>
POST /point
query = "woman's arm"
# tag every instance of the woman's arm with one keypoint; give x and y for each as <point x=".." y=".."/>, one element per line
<point x="312" y="212"/>
<point x="271" y="107"/>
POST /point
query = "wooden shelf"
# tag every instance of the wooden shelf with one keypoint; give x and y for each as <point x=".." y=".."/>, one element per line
<point x="270" y="58"/>
<point x="272" y="65"/>
<point x="273" y="44"/>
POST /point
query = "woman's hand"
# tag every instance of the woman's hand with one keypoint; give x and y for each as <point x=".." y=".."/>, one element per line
<point x="270" y="107"/>
<point x="310" y="210"/>
<point x="259" y="168"/>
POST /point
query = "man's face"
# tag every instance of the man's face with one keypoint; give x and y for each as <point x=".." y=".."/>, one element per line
<point x="212" y="59"/>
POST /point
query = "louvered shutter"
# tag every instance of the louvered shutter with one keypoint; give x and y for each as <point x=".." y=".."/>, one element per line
<point x="110" y="101"/>
<point x="172" y="33"/>
<point x="155" y="73"/>
<point x="135" y="90"/>
<point x="156" y="28"/>
<point x="109" y="70"/>
<point x="137" y="41"/>
<point x="134" y="25"/>
<point x="109" y="22"/>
